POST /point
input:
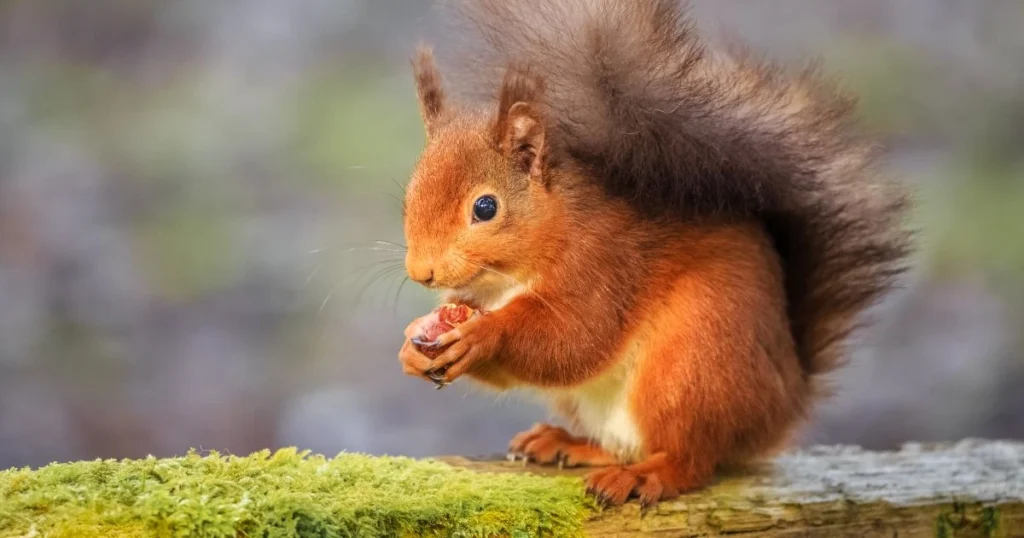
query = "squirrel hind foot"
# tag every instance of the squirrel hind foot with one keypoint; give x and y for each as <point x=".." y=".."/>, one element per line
<point x="547" y="444"/>
<point x="657" y="478"/>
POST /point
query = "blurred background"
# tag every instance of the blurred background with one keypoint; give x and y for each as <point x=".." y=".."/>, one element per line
<point x="198" y="201"/>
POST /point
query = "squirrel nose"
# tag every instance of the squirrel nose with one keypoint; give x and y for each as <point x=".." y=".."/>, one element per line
<point x="423" y="274"/>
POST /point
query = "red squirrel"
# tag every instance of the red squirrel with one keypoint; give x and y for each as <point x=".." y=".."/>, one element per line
<point x="671" y="245"/>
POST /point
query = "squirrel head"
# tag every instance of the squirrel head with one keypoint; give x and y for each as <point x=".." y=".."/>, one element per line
<point x="478" y="198"/>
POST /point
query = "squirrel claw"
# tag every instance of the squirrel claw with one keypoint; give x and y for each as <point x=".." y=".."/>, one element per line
<point x="420" y="342"/>
<point x="438" y="379"/>
<point x="513" y="457"/>
<point x="602" y="500"/>
<point x="437" y="376"/>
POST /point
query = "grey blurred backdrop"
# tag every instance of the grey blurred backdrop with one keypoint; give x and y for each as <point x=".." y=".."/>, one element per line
<point x="192" y="195"/>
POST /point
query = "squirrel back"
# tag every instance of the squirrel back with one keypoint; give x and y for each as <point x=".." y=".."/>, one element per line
<point x="633" y="98"/>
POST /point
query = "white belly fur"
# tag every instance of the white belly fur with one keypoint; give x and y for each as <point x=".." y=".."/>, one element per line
<point x="603" y="411"/>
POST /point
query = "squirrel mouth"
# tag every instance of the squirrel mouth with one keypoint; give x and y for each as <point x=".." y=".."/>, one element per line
<point x="467" y="283"/>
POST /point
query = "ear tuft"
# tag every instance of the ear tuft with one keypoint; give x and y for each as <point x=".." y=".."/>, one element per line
<point x="519" y="130"/>
<point x="428" y="87"/>
<point x="524" y="139"/>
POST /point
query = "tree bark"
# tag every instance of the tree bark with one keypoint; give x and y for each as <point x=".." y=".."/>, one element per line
<point x="967" y="489"/>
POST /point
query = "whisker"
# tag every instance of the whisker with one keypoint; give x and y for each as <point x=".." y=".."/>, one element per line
<point x="394" y="307"/>
<point x="375" y="249"/>
<point x="350" y="247"/>
<point x="327" y="299"/>
<point x="384" y="273"/>
<point x="399" y="185"/>
<point x="356" y="277"/>
<point x="401" y="203"/>
<point x="389" y="282"/>
<point x="358" y="272"/>
<point x="312" y="274"/>
<point x="381" y="266"/>
<point x="334" y="289"/>
<point x="399" y="245"/>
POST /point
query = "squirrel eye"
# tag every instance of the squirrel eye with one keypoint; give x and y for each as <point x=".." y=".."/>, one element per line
<point x="485" y="208"/>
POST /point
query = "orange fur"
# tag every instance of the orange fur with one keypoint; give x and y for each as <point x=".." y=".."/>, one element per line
<point x="544" y="443"/>
<point x="674" y="341"/>
<point x="716" y="377"/>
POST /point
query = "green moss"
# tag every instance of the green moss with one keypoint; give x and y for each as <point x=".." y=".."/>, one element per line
<point x="288" y="493"/>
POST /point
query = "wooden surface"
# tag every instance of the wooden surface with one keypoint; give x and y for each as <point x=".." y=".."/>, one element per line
<point x="972" y="488"/>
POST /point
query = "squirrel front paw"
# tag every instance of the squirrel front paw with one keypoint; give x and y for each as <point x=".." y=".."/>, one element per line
<point x="415" y="363"/>
<point x="444" y="357"/>
<point x="464" y="347"/>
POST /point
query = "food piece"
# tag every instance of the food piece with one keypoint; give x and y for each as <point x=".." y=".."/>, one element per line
<point x="441" y="320"/>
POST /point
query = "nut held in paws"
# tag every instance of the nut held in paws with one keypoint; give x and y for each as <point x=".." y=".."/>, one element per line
<point x="441" y="320"/>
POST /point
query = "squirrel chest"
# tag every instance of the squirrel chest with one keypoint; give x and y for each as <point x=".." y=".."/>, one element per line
<point x="602" y="407"/>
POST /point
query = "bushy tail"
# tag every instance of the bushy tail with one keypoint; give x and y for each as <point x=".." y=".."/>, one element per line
<point x="635" y="98"/>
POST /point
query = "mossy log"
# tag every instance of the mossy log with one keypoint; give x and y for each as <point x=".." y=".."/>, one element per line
<point x="971" y="488"/>
<point x="974" y="488"/>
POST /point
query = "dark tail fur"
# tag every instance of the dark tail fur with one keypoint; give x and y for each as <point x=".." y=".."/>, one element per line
<point x="636" y="99"/>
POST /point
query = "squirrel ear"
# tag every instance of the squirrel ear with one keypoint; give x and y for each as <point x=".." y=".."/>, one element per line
<point x="428" y="87"/>
<point x="519" y="131"/>
<point x="523" y="141"/>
